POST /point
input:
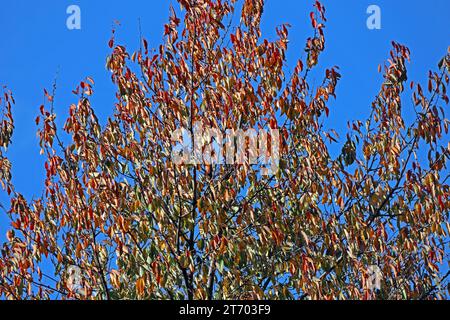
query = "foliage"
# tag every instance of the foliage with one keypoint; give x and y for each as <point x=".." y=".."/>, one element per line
<point x="140" y="227"/>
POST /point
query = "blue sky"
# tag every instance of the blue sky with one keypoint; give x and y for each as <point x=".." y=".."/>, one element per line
<point x="36" y="45"/>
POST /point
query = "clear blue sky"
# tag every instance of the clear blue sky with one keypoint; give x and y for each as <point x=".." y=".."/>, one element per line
<point x="35" y="44"/>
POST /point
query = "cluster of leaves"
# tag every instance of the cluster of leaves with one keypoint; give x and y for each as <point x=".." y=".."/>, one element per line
<point x="137" y="226"/>
<point x="6" y="131"/>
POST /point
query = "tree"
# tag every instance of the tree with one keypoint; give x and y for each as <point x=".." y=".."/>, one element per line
<point x="121" y="219"/>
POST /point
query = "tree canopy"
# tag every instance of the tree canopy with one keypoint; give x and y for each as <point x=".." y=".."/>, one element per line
<point x="120" y="219"/>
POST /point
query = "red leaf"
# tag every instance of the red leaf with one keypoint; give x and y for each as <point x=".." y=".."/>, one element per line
<point x="441" y="203"/>
<point x="145" y="45"/>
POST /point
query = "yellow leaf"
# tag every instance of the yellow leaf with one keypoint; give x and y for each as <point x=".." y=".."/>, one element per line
<point x="140" y="286"/>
